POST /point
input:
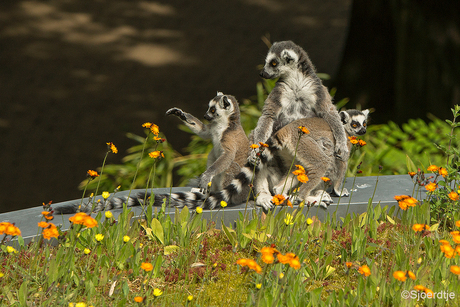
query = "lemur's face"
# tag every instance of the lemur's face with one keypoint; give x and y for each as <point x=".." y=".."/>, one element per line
<point x="354" y="121"/>
<point x="279" y="64"/>
<point x="219" y="107"/>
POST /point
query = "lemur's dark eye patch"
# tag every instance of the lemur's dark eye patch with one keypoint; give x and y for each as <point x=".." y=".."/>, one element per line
<point x="212" y="110"/>
<point x="273" y="63"/>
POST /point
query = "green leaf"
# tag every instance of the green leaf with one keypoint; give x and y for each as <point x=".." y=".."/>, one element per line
<point x="22" y="294"/>
<point x="184" y="214"/>
<point x="157" y="230"/>
<point x="170" y="249"/>
<point x="231" y="235"/>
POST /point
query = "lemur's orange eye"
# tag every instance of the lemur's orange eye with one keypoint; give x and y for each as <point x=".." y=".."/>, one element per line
<point x="273" y="63"/>
<point x="364" y="125"/>
<point x="354" y="125"/>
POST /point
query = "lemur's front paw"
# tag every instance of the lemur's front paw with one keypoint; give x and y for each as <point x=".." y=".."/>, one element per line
<point x="205" y="183"/>
<point x="253" y="158"/>
<point x="177" y="112"/>
<point x="342" y="152"/>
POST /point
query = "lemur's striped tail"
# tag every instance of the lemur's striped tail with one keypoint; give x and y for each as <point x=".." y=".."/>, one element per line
<point x="234" y="194"/>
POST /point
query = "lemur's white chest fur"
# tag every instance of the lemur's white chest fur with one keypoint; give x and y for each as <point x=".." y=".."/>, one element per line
<point x="218" y="126"/>
<point x="298" y="99"/>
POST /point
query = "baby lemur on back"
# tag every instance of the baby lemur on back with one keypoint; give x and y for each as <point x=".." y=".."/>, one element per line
<point x="315" y="152"/>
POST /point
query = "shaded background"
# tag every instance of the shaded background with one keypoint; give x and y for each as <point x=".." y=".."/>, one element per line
<point x="77" y="74"/>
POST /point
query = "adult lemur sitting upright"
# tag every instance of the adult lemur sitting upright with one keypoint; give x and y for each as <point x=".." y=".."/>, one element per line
<point x="298" y="93"/>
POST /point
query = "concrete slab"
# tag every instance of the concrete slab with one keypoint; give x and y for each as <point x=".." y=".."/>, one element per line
<point x="361" y="189"/>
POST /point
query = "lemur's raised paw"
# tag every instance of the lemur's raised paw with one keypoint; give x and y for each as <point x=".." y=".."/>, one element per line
<point x="253" y="158"/>
<point x="177" y="112"/>
<point x="342" y="152"/>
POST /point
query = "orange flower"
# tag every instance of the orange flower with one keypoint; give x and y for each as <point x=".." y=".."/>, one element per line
<point x="455" y="269"/>
<point x="295" y="263"/>
<point x="250" y="264"/>
<point x="50" y="232"/>
<point x="411" y="275"/>
<point x="432" y="168"/>
<point x="420" y="227"/>
<point x="303" y="129"/>
<point x="263" y="144"/>
<point x="156" y="154"/>
<point x="353" y="140"/>
<point x="138" y="299"/>
<point x="154" y="128"/>
<point x="412" y="174"/>
<point x="82" y="218"/>
<point x="457" y="223"/>
<point x="453" y="195"/>
<point x="268" y="258"/>
<point x="278" y="199"/>
<point x="254" y="146"/>
<point x="300" y="170"/>
<point x="405" y="201"/>
<point x="302" y="178"/>
<point x="112" y="147"/>
<point x="92" y="174"/>
<point x="146" y="266"/>
<point x="456" y="238"/>
<point x="43" y="224"/>
<point x="443" y="172"/>
<point x="361" y="143"/>
<point x="364" y="270"/>
<point x="348" y="264"/>
<point x="9" y="229"/>
<point x="449" y="251"/>
<point x="419" y="288"/>
<point x="147" y="125"/>
<point x="325" y="179"/>
<point x="400" y="275"/>
<point x="89" y="222"/>
<point x="268" y="250"/>
<point x="431" y="187"/>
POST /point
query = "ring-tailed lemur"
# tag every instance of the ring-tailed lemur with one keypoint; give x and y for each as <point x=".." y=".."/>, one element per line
<point x="315" y="152"/>
<point x="230" y="143"/>
<point x="229" y="154"/>
<point x="298" y="93"/>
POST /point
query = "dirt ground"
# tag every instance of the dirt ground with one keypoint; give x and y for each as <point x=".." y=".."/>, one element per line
<point x="75" y="75"/>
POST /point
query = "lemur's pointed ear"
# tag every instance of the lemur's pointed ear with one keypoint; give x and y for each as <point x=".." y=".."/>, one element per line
<point x="365" y="112"/>
<point x="219" y="93"/>
<point x="289" y="56"/>
<point x="226" y="103"/>
<point x="344" y="117"/>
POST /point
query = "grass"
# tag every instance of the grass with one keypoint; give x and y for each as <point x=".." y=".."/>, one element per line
<point x="287" y="257"/>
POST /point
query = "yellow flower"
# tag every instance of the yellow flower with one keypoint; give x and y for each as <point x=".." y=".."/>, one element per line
<point x="108" y="214"/>
<point x="431" y="186"/>
<point x="147" y="125"/>
<point x="254" y="146"/>
<point x="1" y="274"/>
<point x="155" y="130"/>
<point x="364" y="270"/>
<point x="80" y="304"/>
<point x="156" y="154"/>
<point x="432" y="168"/>
<point x="259" y="286"/>
<point x="126" y="239"/>
<point x="453" y="195"/>
<point x="87" y="251"/>
<point x="112" y="147"/>
<point x="157" y="292"/>
<point x="190" y="298"/>
<point x="99" y="237"/>
<point x="138" y="299"/>
<point x="146" y="266"/>
<point x="309" y="221"/>
<point x="288" y="220"/>
<point x="92" y="174"/>
<point x="455" y="269"/>
<point x="325" y="179"/>
<point x="399" y="275"/>
<point x="281" y="276"/>
<point x="303" y="129"/>
<point x="199" y="210"/>
<point x="223" y="204"/>
<point x="11" y="249"/>
<point x="105" y="195"/>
